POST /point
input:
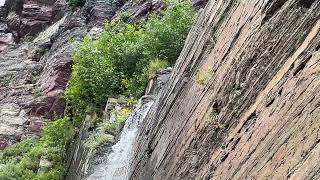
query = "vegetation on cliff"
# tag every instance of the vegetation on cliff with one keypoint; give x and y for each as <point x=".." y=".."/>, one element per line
<point x="125" y="56"/>
<point x="106" y="131"/>
<point x="76" y="3"/>
<point x="120" y="62"/>
<point x="42" y="158"/>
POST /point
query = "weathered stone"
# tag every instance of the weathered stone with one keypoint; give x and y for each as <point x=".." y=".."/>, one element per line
<point x="156" y="84"/>
<point x="36" y="126"/>
<point x="35" y="71"/>
<point x="59" y="10"/>
<point x="257" y="115"/>
<point x="136" y="11"/>
<point x="11" y="114"/>
<point x="3" y="145"/>
<point x="34" y="18"/>
<point x="112" y="109"/>
<point x="6" y="130"/>
<point x="44" y="164"/>
<point x="13" y="21"/>
<point x="95" y="32"/>
<point x="11" y="6"/>
<point x="101" y="12"/>
<point x="199" y="3"/>
<point x="5" y="40"/>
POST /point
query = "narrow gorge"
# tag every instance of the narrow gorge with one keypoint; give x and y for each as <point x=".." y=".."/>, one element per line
<point x="159" y="90"/>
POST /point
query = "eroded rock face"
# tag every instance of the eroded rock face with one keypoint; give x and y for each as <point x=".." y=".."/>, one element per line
<point x="35" y="71"/>
<point x="6" y="39"/>
<point x="256" y="114"/>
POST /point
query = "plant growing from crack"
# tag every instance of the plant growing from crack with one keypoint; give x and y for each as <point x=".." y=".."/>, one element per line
<point x="5" y="82"/>
<point x="203" y="76"/>
<point x="37" y="92"/>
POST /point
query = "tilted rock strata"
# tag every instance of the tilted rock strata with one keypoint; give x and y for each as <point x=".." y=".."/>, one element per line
<point x="256" y="113"/>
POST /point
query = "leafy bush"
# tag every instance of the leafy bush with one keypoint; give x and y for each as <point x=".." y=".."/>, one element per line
<point x="76" y="3"/>
<point x="165" y="36"/>
<point x="125" y="56"/>
<point x="22" y="160"/>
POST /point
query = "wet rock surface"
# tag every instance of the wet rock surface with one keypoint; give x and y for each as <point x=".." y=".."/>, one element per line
<point x="90" y="163"/>
<point x="257" y="114"/>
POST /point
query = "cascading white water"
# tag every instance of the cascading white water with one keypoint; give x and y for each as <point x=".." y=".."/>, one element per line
<point x="118" y="162"/>
<point x="2" y="2"/>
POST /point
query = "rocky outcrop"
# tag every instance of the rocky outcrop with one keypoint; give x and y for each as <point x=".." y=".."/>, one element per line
<point x="35" y="71"/>
<point x="37" y="40"/>
<point x="243" y="100"/>
<point x="6" y="39"/>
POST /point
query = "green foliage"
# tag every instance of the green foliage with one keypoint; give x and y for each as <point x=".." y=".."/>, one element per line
<point x="16" y="151"/>
<point x="76" y="3"/>
<point x="99" y="138"/>
<point x="124" y="16"/>
<point x="156" y="66"/>
<point x="164" y="37"/>
<point x="122" y="60"/>
<point x="22" y="160"/>
<point x="106" y="131"/>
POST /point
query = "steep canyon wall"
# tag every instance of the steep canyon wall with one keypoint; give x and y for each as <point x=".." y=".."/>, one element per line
<point x="243" y="101"/>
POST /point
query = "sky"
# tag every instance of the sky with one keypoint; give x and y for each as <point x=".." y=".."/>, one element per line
<point x="2" y="2"/>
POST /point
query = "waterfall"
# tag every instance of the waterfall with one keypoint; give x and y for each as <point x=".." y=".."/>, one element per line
<point x="117" y="165"/>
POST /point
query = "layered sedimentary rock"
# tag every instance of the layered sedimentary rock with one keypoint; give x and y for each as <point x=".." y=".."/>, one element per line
<point x="35" y="69"/>
<point x="243" y="101"/>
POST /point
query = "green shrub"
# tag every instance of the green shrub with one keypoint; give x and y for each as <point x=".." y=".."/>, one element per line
<point x="76" y="3"/>
<point x="16" y="151"/>
<point x="165" y="36"/>
<point x="120" y="61"/>
<point x="21" y="161"/>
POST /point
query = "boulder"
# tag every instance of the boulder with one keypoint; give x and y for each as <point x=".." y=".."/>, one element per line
<point x="44" y="164"/>
<point x="6" y="39"/>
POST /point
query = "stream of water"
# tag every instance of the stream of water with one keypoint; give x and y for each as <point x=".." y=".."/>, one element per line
<point x="118" y="164"/>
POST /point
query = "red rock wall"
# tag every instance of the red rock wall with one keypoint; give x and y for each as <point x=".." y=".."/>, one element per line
<point x="256" y="115"/>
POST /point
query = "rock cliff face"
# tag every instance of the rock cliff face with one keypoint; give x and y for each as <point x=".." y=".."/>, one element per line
<point x="37" y="40"/>
<point x="243" y="101"/>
